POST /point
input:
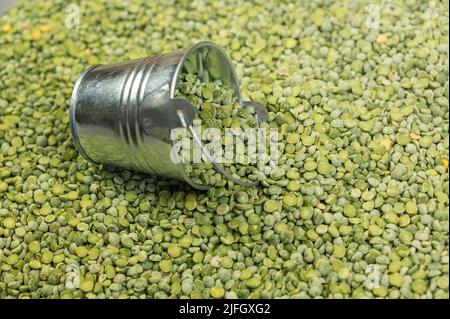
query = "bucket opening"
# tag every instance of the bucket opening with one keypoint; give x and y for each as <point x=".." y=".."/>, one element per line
<point x="206" y="62"/>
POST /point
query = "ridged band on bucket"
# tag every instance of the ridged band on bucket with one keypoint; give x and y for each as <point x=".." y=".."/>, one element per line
<point x="122" y="114"/>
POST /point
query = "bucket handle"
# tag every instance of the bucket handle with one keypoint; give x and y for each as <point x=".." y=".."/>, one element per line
<point x="209" y="157"/>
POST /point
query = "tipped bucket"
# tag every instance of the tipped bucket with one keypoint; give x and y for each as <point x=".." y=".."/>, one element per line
<point x="122" y="114"/>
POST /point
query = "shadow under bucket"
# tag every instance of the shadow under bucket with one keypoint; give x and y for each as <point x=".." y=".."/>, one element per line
<point x="122" y="114"/>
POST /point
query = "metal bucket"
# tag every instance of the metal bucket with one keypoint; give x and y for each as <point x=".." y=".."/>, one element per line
<point x="122" y="114"/>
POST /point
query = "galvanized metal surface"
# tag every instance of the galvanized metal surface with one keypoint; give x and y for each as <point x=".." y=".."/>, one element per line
<point x="5" y="4"/>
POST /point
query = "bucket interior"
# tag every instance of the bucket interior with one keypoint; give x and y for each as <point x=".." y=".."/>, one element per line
<point x="209" y="63"/>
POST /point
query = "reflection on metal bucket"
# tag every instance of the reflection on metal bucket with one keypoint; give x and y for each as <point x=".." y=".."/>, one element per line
<point x="122" y="114"/>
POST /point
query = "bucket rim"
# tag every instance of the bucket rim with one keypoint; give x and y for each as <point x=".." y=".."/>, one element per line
<point x="188" y="51"/>
<point x="237" y="90"/>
